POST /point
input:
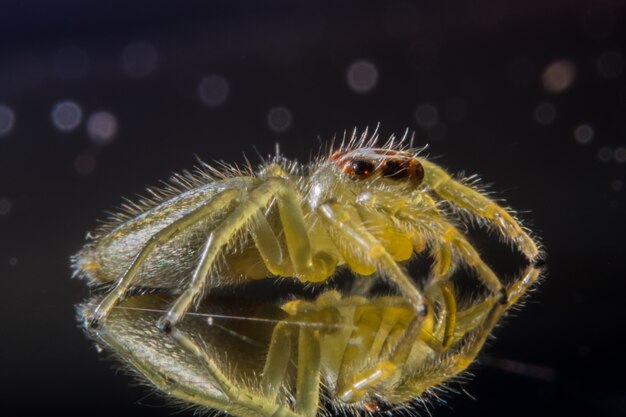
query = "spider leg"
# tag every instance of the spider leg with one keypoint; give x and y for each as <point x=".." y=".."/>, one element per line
<point x="427" y="222"/>
<point x="242" y="402"/>
<point x="477" y="322"/>
<point x="309" y="367"/>
<point x="471" y="350"/>
<point x="257" y="199"/>
<point x="219" y="202"/>
<point x="450" y="310"/>
<point x="277" y="359"/>
<point x="301" y="260"/>
<point x="450" y="241"/>
<point x="480" y="206"/>
<point x="342" y="224"/>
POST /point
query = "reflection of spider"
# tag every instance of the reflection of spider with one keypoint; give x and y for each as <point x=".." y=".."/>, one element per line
<point x="264" y="362"/>
<point x="366" y="208"/>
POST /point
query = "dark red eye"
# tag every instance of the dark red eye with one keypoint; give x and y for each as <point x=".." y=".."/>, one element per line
<point x="416" y="170"/>
<point x="395" y="169"/>
<point x="361" y="168"/>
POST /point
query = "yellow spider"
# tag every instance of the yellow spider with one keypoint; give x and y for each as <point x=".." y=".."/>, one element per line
<point x="365" y="208"/>
<point x="334" y="353"/>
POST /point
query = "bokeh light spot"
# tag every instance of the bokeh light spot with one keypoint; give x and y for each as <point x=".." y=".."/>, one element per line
<point x="362" y="76"/>
<point x="583" y="134"/>
<point x="558" y="76"/>
<point x="426" y="115"/>
<point x="279" y="119"/>
<point x="102" y="127"/>
<point x="545" y="113"/>
<point x="620" y="154"/>
<point x="610" y="64"/>
<point x="140" y="59"/>
<point x="213" y="90"/>
<point x="66" y="115"/>
<point x="7" y="120"/>
<point x="5" y="206"/>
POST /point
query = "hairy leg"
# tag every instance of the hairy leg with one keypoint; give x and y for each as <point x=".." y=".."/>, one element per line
<point x="300" y="261"/>
<point x="479" y="206"/>
<point x="241" y="401"/>
<point x="475" y="323"/>
<point x="445" y="240"/>
<point x="219" y="202"/>
<point x="257" y="200"/>
<point x="342" y="225"/>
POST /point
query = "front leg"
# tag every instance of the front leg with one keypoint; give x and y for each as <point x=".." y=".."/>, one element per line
<point x="343" y="226"/>
<point x="479" y="206"/>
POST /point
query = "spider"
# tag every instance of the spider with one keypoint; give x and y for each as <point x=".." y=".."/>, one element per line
<point x="333" y="353"/>
<point x="364" y="208"/>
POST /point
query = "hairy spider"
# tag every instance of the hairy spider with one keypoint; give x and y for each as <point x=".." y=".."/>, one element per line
<point x="333" y="353"/>
<point x="364" y="208"/>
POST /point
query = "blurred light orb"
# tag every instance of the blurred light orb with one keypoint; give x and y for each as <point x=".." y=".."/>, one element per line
<point x="362" y="76"/>
<point x="610" y="64"/>
<point x="5" y="206"/>
<point x="426" y="115"/>
<point x="12" y="261"/>
<point x="102" y="127"/>
<point x="140" y="59"/>
<point x="583" y="134"/>
<point x="423" y="55"/>
<point x="620" y="154"/>
<point x="70" y="63"/>
<point x="7" y="120"/>
<point x="545" y="113"/>
<point x="213" y="90"/>
<point x="66" y="115"/>
<point x="85" y="163"/>
<point x="279" y="119"/>
<point x="559" y="76"/>
<point x="605" y="154"/>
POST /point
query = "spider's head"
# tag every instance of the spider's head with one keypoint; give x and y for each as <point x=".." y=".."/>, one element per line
<point x="368" y="164"/>
<point x="349" y="173"/>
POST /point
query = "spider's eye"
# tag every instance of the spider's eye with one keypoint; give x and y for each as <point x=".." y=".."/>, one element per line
<point x="395" y="169"/>
<point x="361" y="168"/>
<point x="416" y="171"/>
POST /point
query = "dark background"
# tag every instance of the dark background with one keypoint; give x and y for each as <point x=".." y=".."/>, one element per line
<point x="528" y="94"/>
